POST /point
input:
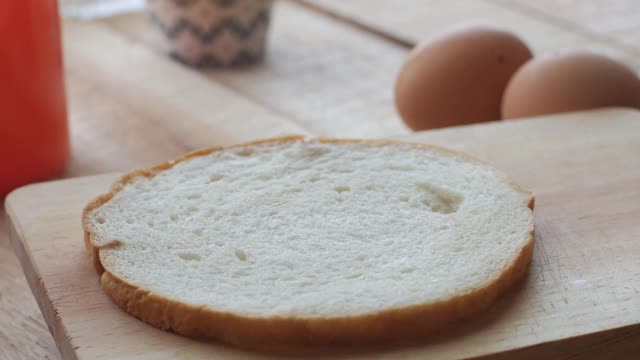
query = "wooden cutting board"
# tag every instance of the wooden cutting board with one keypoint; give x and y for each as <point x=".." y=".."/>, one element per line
<point x="582" y="297"/>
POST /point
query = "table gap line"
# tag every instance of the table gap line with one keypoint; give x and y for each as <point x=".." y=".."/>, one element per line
<point x="356" y="24"/>
<point x="285" y="116"/>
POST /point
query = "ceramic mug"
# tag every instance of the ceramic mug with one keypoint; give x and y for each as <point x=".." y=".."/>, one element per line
<point x="212" y="32"/>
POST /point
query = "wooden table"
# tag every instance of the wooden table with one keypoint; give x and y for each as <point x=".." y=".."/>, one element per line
<point x="329" y="72"/>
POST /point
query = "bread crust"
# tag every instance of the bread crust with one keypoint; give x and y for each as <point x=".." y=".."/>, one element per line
<point x="286" y="333"/>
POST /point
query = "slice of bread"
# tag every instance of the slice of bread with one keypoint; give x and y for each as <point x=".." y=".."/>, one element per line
<point x="294" y="242"/>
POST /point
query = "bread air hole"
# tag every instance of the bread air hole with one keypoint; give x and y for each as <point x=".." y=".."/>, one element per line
<point x="440" y="200"/>
<point x="188" y="256"/>
<point x="215" y="177"/>
<point x="241" y="255"/>
<point x="245" y="152"/>
<point x="240" y="274"/>
<point x="344" y="170"/>
<point x="192" y="209"/>
<point x="100" y="220"/>
<point x="401" y="167"/>
<point x="341" y="189"/>
<point x="288" y="265"/>
<point x="309" y="153"/>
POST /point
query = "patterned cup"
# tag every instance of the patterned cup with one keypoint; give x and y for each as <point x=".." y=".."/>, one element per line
<point x="214" y="33"/>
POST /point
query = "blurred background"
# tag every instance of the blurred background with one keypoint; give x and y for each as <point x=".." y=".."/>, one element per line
<point x="329" y="69"/>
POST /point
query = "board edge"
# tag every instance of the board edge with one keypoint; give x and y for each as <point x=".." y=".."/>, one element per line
<point x="38" y="288"/>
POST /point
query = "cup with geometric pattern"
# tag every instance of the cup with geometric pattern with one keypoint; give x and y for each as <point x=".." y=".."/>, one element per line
<point x="212" y="33"/>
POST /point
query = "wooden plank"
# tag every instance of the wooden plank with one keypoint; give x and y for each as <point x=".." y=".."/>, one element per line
<point x="615" y="21"/>
<point x="130" y="107"/>
<point x="580" y="299"/>
<point x="331" y="78"/>
<point x="417" y="20"/>
<point x="23" y="333"/>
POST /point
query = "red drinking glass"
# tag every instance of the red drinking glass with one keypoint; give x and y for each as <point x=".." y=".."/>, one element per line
<point x="34" y="138"/>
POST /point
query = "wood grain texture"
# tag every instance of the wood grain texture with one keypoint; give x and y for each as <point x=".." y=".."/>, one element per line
<point x="132" y="117"/>
<point x="331" y="78"/>
<point x="23" y="333"/>
<point x="579" y="301"/>
<point x="417" y="20"/>
<point x="615" y="21"/>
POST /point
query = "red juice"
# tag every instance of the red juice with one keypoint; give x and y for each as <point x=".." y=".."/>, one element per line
<point x="34" y="139"/>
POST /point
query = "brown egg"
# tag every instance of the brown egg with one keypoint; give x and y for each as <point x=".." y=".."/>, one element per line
<point x="458" y="77"/>
<point x="569" y="82"/>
